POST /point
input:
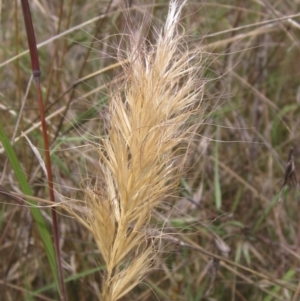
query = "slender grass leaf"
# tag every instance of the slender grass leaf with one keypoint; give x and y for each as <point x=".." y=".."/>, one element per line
<point x="217" y="186"/>
<point x="40" y="223"/>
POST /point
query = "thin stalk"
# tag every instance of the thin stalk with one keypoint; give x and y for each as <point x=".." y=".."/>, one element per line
<point x="36" y="75"/>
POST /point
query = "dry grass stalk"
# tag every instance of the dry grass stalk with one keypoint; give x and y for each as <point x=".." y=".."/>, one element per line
<point x="140" y="160"/>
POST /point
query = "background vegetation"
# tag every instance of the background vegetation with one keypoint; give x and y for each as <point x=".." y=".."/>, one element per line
<point x="233" y="230"/>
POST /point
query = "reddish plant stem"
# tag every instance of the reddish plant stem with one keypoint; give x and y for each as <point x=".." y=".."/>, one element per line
<point x="36" y="75"/>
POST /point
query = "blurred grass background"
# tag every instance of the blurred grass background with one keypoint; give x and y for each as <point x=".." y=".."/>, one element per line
<point x="231" y="203"/>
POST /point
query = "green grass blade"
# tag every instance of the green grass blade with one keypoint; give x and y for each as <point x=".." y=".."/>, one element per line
<point x="266" y="212"/>
<point x="40" y="223"/>
<point x="217" y="186"/>
<point x="289" y="275"/>
<point x="77" y="277"/>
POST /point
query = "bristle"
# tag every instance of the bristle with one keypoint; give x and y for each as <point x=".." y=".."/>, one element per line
<point x="139" y="162"/>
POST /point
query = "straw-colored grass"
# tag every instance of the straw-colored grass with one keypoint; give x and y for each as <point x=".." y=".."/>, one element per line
<point x="140" y="160"/>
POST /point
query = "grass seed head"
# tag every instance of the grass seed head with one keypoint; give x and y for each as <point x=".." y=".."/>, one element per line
<point x="140" y="160"/>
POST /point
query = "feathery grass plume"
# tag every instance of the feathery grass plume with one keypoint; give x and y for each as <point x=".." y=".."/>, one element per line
<point x="140" y="160"/>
